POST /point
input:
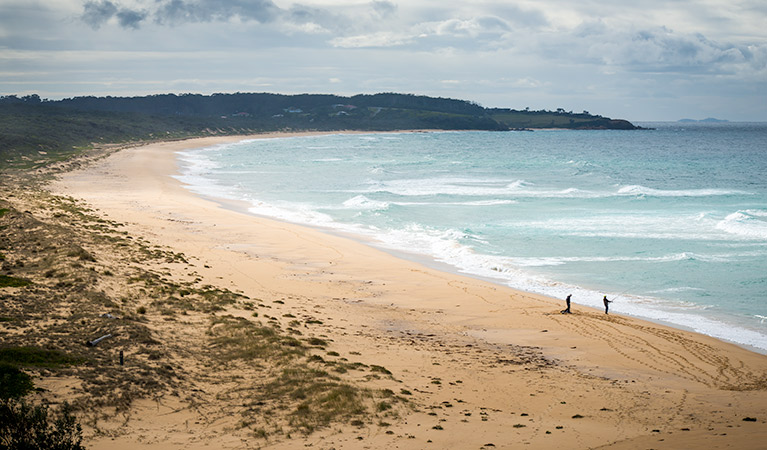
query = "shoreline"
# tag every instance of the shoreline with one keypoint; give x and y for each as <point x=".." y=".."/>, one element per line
<point x="716" y="326"/>
<point x="441" y="266"/>
<point x="388" y="300"/>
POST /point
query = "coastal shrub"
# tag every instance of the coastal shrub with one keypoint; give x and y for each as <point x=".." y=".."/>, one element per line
<point x="330" y="402"/>
<point x="317" y="342"/>
<point x="380" y="369"/>
<point x="23" y="426"/>
<point x="13" y="382"/>
<point x="235" y="338"/>
<point x="8" y="281"/>
<point x="36" y="357"/>
<point x="314" y="398"/>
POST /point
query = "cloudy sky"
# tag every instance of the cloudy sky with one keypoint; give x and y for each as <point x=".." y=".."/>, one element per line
<point x="638" y="60"/>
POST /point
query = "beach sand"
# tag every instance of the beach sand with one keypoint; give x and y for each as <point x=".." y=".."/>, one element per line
<point x="487" y="366"/>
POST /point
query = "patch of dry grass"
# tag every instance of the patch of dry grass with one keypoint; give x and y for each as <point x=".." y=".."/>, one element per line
<point x="85" y="278"/>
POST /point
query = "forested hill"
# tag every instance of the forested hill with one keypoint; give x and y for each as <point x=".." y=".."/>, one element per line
<point x="31" y="125"/>
<point x="311" y="111"/>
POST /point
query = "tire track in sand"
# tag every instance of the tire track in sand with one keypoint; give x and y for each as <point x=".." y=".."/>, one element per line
<point x="663" y="350"/>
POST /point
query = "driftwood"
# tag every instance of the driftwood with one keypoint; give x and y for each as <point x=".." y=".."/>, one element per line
<point x="94" y="342"/>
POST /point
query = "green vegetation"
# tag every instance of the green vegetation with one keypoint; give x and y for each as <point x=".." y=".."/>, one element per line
<point x="322" y="397"/>
<point x="34" y="131"/>
<point x="36" y="357"/>
<point x="13" y="382"/>
<point x="31" y="135"/>
<point x="312" y="397"/>
<point x="556" y="119"/>
<point x="23" y="426"/>
<point x="86" y="278"/>
<point x="8" y="281"/>
<point x="235" y="338"/>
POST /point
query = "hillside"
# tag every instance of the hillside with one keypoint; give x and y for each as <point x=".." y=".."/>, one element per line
<point x="30" y="125"/>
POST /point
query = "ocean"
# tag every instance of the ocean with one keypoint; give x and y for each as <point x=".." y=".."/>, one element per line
<point x="670" y="223"/>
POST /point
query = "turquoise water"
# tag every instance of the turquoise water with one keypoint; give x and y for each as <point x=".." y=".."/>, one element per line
<point x="671" y="222"/>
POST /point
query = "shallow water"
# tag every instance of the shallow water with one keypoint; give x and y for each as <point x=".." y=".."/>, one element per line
<point x="671" y="223"/>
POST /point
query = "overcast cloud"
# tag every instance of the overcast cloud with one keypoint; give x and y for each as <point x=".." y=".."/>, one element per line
<point x="640" y="60"/>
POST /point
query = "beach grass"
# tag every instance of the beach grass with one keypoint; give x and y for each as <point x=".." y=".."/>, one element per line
<point x="76" y="277"/>
<point x="37" y="357"/>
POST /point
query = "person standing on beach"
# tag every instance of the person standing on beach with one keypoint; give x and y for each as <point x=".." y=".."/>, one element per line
<point x="607" y="303"/>
<point x="567" y="300"/>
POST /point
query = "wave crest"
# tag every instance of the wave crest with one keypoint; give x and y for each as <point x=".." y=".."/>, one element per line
<point x="639" y="190"/>
<point x="364" y="203"/>
<point x="750" y="223"/>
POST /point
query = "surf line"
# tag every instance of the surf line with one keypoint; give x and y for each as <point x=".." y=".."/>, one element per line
<point x="622" y="294"/>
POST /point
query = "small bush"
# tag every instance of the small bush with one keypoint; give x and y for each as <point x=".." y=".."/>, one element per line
<point x="317" y="342"/>
<point x="36" y="357"/>
<point x="14" y="383"/>
<point x="383" y="406"/>
<point x="6" y="281"/>
<point x="23" y="426"/>
<point x="379" y="369"/>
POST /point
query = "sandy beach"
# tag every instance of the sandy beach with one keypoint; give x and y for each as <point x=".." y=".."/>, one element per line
<point x="484" y="366"/>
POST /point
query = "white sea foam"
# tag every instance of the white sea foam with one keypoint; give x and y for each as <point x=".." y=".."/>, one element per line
<point x="521" y="188"/>
<point x="629" y="225"/>
<point x="636" y="190"/>
<point x="197" y="163"/>
<point x="677" y="289"/>
<point x="296" y="213"/>
<point x="556" y="261"/>
<point x="445" y="247"/>
<point x="750" y="223"/>
<point x="517" y="184"/>
<point x="363" y="203"/>
<point x="492" y="202"/>
<point x="196" y="175"/>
